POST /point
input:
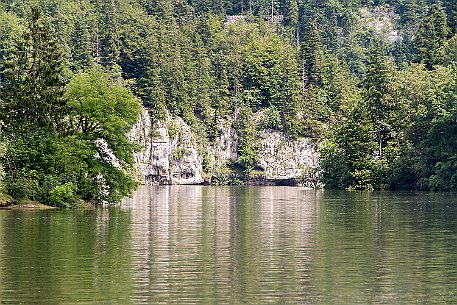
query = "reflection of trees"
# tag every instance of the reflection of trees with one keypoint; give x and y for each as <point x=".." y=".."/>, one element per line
<point x="180" y="242"/>
<point x="383" y="248"/>
<point x="3" y="228"/>
<point x="233" y="245"/>
<point x="251" y="245"/>
<point x="275" y="243"/>
<point x="57" y="256"/>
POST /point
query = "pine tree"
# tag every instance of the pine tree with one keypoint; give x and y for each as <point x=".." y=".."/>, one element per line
<point x="431" y="34"/>
<point x="453" y="18"/>
<point x="10" y="29"/>
<point x="33" y="112"/>
<point x="376" y="87"/>
<point x="34" y="81"/>
<point x="408" y="11"/>
<point x="247" y="147"/>
<point x="266" y="9"/>
<point x="291" y="17"/>
<point x="311" y="55"/>
<point x="355" y="140"/>
<point x="81" y="47"/>
<point x="108" y="29"/>
<point x="291" y="14"/>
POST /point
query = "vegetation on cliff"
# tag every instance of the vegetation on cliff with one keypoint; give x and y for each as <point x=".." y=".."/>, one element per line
<point x="373" y="81"/>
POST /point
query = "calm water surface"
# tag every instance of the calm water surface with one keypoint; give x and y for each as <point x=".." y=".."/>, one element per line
<point x="240" y="245"/>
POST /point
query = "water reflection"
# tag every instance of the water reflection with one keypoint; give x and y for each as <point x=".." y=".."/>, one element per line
<point x="387" y="248"/>
<point x="222" y="245"/>
<point x="238" y="245"/>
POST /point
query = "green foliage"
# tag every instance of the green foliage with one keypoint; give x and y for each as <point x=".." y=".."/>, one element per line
<point x="227" y="176"/>
<point x="321" y="72"/>
<point x="264" y="71"/>
<point x="334" y="165"/>
<point x="311" y="55"/>
<point x="376" y="86"/>
<point x="11" y="29"/>
<point x="63" y="195"/>
<point x="247" y="147"/>
<point x="431" y="34"/>
<point x="271" y="119"/>
<point x="63" y="143"/>
<point x="311" y="176"/>
<point x="103" y="112"/>
<point x="101" y="115"/>
<point x="34" y="84"/>
<point x="178" y="153"/>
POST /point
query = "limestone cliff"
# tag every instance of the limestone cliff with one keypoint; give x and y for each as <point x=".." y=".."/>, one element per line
<point x="172" y="154"/>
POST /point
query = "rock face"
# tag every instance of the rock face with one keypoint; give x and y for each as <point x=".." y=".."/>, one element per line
<point x="171" y="154"/>
<point x="282" y="158"/>
<point x="383" y="20"/>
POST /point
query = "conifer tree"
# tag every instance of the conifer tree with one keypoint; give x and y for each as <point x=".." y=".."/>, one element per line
<point x="291" y="17"/>
<point x="408" y="11"/>
<point x="376" y="87"/>
<point x="311" y="55"/>
<point x="108" y="28"/>
<point x="34" y="81"/>
<point x="11" y="28"/>
<point x="247" y="147"/>
<point x="81" y="47"/>
<point x="431" y="34"/>
<point x="453" y="18"/>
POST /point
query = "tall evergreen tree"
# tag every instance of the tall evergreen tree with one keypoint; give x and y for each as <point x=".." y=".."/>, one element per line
<point x="431" y="34"/>
<point x="34" y="81"/>
<point x="81" y="45"/>
<point x="108" y="29"/>
<point x="311" y="55"/>
<point x="11" y="28"/>
<point x="376" y="88"/>
<point x="291" y="17"/>
<point x="32" y="111"/>
<point x="453" y="17"/>
<point x="408" y="11"/>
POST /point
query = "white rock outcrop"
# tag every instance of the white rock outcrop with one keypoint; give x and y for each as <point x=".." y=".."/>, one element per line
<point x="171" y="155"/>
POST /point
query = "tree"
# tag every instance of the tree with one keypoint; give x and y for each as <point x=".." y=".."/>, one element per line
<point x="34" y="86"/>
<point x="291" y="17"/>
<point x="102" y="110"/>
<point x="247" y="147"/>
<point x="448" y="52"/>
<point x="311" y="55"/>
<point x="347" y="158"/>
<point x="453" y="18"/>
<point x="11" y="28"/>
<point x="63" y="143"/>
<point x="101" y="114"/>
<point x="431" y="34"/>
<point x="408" y="11"/>
<point x="81" y="51"/>
<point x="376" y="88"/>
<point x="33" y="112"/>
<point x="264" y="68"/>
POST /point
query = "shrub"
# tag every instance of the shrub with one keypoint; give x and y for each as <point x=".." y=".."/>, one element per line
<point x="24" y="186"/>
<point x="63" y="195"/>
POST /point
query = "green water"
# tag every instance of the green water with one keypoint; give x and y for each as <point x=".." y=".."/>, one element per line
<point x="241" y="245"/>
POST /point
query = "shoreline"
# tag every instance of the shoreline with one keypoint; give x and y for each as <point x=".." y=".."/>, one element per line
<point x="23" y="205"/>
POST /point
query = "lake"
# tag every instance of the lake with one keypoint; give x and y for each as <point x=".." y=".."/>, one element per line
<point x="235" y="245"/>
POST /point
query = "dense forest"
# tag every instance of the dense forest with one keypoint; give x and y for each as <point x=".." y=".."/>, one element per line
<point x="372" y="82"/>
